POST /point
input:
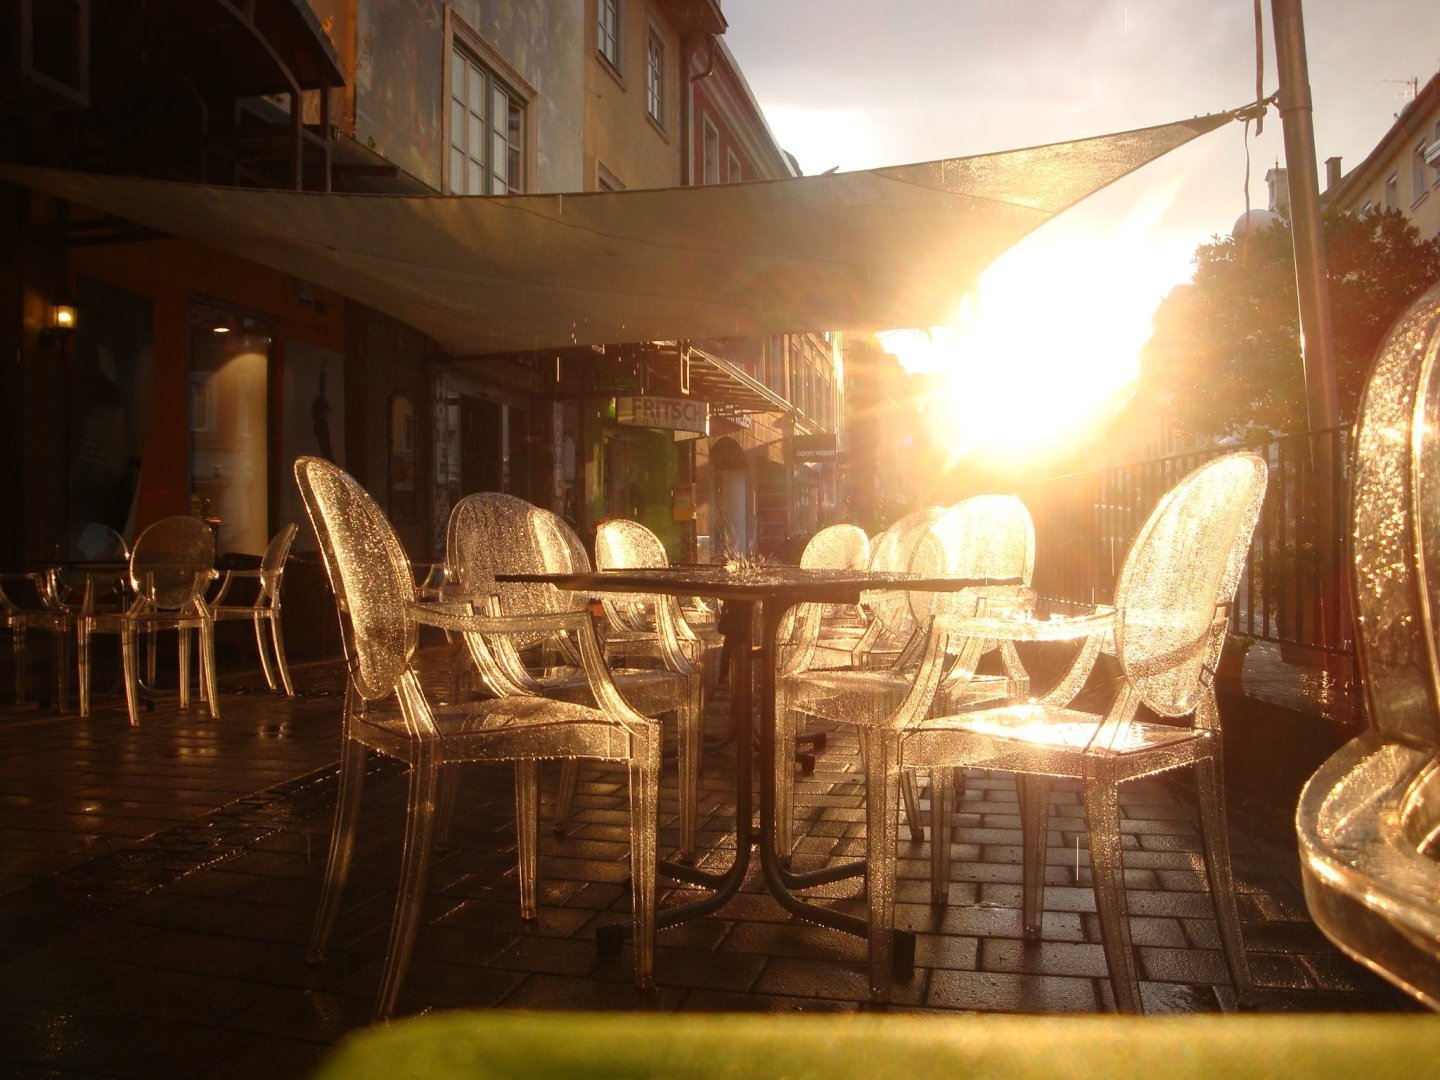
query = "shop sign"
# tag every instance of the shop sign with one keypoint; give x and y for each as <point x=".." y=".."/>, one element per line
<point x="669" y="414"/>
<point x="813" y="447"/>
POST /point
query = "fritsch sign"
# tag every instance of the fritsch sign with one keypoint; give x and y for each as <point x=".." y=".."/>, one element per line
<point x="669" y="414"/>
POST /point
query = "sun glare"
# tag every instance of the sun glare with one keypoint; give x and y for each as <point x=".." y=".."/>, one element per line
<point x="1050" y="340"/>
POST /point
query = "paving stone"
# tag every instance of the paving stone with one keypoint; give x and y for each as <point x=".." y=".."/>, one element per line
<point x="992" y="991"/>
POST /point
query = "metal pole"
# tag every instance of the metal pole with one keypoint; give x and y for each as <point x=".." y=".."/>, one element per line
<point x="1317" y="339"/>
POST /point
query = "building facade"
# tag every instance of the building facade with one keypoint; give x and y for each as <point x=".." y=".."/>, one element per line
<point x="193" y="378"/>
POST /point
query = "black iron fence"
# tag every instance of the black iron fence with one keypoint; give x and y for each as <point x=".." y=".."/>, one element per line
<point x="1084" y="523"/>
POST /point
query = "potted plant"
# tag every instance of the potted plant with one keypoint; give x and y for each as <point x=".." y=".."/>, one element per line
<point x="1232" y="656"/>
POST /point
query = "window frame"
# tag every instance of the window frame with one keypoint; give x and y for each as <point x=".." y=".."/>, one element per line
<point x="655" y="76"/>
<point x="613" y="36"/>
<point x="709" y="140"/>
<point x="499" y="75"/>
<point x="734" y="172"/>
<point x="1418" y="169"/>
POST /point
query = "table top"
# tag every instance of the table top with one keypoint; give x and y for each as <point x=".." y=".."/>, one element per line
<point x="790" y="583"/>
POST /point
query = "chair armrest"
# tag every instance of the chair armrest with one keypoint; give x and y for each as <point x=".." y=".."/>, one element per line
<point x="460" y="616"/>
<point x="227" y="577"/>
<point x="1100" y="621"/>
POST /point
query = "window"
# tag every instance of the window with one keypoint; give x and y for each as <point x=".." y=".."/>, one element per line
<point x="1435" y="156"/>
<point x="605" y="180"/>
<point x="1418" y="186"/>
<point x="610" y="32"/>
<point x="1392" y="192"/>
<point x="732" y="167"/>
<point x="655" y="77"/>
<point x="710" y="154"/>
<point x="229" y="387"/>
<point x="487" y="130"/>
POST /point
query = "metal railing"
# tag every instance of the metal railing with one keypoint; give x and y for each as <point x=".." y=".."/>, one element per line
<point x="1084" y="523"/>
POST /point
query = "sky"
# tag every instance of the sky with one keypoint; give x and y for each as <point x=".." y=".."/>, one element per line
<point x="856" y="84"/>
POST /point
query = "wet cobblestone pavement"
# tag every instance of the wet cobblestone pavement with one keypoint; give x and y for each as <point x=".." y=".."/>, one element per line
<point x="157" y="886"/>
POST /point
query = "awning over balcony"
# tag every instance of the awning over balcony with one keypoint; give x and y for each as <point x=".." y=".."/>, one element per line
<point x="870" y="250"/>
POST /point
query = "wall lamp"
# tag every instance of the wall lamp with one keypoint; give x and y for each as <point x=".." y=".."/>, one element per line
<point x="61" y="322"/>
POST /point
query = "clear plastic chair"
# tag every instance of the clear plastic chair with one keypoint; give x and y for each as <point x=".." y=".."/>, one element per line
<point x="987" y="536"/>
<point x="170" y="566"/>
<point x="1368" y="820"/>
<point x="27" y="603"/>
<point x="1172" y="608"/>
<point x="628" y="545"/>
<point x="371" y="577"/>
<point x="838" y="630"/>
<point x="265" y="608"/>
<point x="493" y="533"/>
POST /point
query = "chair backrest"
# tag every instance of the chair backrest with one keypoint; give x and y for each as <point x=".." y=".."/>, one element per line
<point x="1180" y="575"/>
<point x="272" y="563"/>
<point x="166" y="559"/>
<point x="628" y="545"/>
<point x="1395" y="522"/>
<point x="369" y="573"/>
<point x="494" y="533"/>
<point x="837" y="547"/>
<point x="93" y="542"/>
<point x="987" y="536"/>
<point x="892" y="551"/>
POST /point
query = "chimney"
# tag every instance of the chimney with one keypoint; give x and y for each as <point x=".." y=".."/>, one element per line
<point x="1332" y="173"/>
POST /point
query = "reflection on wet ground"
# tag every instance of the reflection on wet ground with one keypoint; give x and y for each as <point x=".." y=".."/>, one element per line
<point x="156" y="889"/>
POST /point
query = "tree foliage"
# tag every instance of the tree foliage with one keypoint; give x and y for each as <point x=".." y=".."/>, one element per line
<point x="1225" y="354"/>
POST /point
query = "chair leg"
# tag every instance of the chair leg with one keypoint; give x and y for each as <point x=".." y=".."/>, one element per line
<point x="129" y="646"/>
<point x="414" y="871"/>
<point x="1222" y="882"/>
<point x="912" y="807"/>
<point x="342" y="847"/>
<point x="565" y="794"/>
<point x="883" y="778"/>
<point x="18" y="634"/>
<point x="277" y="638"/>
<point x="445" y="805"/>
<point x="263" y="650"/>
<point x="942" y="824"/>
<point x="62" y="669"/>
<point x="150" y="658"/>
<point x="182" y="637"/>
<point x="644" y="810"/>
<point x="690" y="739"/>
<point x="527" y="818"/>
<point x="82" y="649"/>
<point x="786" y="726"/>
<point x="207" y="668"/>
<point x="1034" y="793"/>
<point x="1102" y="821"/>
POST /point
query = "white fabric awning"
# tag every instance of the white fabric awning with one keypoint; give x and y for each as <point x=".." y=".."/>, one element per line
<point x="872" y="250"/>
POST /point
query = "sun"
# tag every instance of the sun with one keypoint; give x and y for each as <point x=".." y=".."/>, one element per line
<point x="1049" y="342"/>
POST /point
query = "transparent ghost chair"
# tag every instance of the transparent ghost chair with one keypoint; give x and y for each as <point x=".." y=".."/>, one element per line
<point x="171" y="565"/>
<point x="265" y="607"/>
<point x="989" y="536"/>
<point x="493" y="533"/>
<point x="837" y="629"/>
<point x="27" y="603"/>
<point x="889" y="623"/>
<point x="375" y="594"/>
<point x="634" y="624"/>
<point x="1172" y="604"/>
<point x="1368" y="819"/>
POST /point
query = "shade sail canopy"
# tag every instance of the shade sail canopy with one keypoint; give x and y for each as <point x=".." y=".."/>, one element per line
<point x="869" y="250"/>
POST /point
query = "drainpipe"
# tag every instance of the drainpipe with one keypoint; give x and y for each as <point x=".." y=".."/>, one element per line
<point x="1316" y="333"/>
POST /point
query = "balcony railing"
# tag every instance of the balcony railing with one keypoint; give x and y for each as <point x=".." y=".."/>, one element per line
<point x="1084" y="523"/>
